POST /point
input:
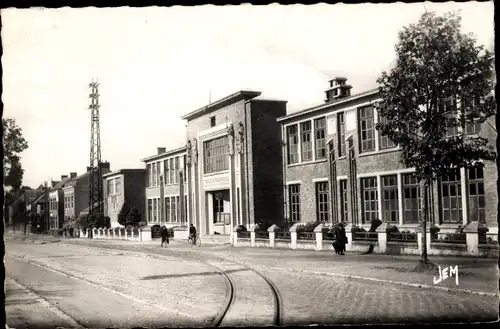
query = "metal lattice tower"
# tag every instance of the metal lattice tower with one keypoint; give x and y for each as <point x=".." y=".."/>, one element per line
<point x="95" y="188"/>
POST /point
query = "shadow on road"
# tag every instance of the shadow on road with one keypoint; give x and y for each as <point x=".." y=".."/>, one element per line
<point x="179" y="275"/>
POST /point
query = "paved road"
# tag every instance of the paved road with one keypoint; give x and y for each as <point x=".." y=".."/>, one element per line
<point x="87" y="286"/>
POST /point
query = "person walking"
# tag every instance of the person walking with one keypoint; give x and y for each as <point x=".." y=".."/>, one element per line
<point x="164" y="236"/>
<point x="192" y="233"/>
<point x="342" y="239"/>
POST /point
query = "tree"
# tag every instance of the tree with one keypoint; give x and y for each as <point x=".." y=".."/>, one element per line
<point x="442" y="83"/>
<point x="13" y="144"/>
<point x="123" y="214"/>
<point x="134" y="217"/>
<point x="98" y="220"/>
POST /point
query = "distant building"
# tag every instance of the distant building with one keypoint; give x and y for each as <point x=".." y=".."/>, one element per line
<point x="123" y="186"/>
<point x="56" y="203"/>
<point x="168" y="166"/>
<point x="234" y="176"/>
<point x="338" y="167"/>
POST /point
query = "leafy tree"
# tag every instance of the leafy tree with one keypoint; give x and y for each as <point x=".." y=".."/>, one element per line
<point x="97" y="220"/>
<point x="134" y="217"/>
<point x="442" y="82"/>
<point x="123" y="214"/>
<point x="13" y="144"/>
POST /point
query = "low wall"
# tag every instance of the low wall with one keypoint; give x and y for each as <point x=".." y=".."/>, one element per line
<point x="402" y="248"/>
<point x="468" y="243"/>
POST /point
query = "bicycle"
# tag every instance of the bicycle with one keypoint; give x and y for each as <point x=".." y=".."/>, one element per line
<point x="198" y="241"/>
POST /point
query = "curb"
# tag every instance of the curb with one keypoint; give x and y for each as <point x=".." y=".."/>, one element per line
<point x="415" y="285"/>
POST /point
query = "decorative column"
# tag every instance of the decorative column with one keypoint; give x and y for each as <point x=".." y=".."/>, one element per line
<point x="241" y="154"/>
<point x="196" y="220"/>
<point x="189" y="178"/>
<point x="162" y="201"/>
<point x="352" y="186"/>
<point x="181" y="198"/>
<point x="232" y="171"/>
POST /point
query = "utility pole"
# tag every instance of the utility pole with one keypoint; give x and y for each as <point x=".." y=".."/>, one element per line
<point x="95" y="183"/>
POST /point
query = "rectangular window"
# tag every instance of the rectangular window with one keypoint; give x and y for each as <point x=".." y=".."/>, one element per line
<point x="212" y="121"/>
<point x="176" y="180"/>
<point x="150" y="176"/>
<point x="158" y="172"/>
<point x="344" y="199"/>
<point x="155" y="210"/>
<point x="155" y="175"/>
<point x="322" y="201"/>
<point x="320" y="138"/>
<point x="411" y="199"/>
<point x="173" y="206"/>
<point x="370" y="199"/>
<point x="167" y="210"/>
<point x="451" y="197"/>
<point x="448" y="107"/>
<point x="118" y="185"/>
<point x="166" y="170"/>
<point x="477" y="201"/>
<point x="306" y="143"/>
<point x="72" y="203"/>
<point x="292" y="144"/>
<point x="178" y="207"/>
<point x="216" y="155"/>
<point x="367" y="129"/>
<point x="110" y="187"/>
<point x="390" y="208"/>
<point x="171" y="166"/>
<point x="385" y="142"/>
<point x="150" y="210"/>
<point x="184" y="168"/>
<point x="473" y="128"/>
<point x="341" y="133"/>
<point x="294" y="202"/>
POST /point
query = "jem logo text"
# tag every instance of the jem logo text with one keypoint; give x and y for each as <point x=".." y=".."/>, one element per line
<point x="446" y="273"/>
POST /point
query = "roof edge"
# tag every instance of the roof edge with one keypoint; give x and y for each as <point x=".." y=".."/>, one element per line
<point x="124" y="170"/>
<point x="244" y="93"/>
<point x="326" y="105"/>
<point x="161" y="155"/>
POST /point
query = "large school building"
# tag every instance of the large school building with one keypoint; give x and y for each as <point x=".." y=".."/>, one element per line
<point x="338" y="167"/>
<point x="229" y="173"/>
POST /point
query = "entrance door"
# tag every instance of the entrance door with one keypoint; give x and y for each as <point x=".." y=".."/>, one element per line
<point x="221" y="218"/>
<point x="219" y="208"/>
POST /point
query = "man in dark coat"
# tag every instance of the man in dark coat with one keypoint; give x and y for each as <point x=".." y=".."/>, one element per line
<point x="164" y="236"/>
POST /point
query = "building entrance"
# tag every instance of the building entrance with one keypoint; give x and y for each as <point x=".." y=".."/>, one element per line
<point x="220" y="214"/>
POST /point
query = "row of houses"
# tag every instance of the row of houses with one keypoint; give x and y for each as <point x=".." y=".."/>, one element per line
<point x="245" y="161"/>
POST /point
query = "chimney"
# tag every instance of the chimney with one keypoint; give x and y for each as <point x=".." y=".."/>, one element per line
<point x="64" y="177"/>
<point x="338" y="89"/>
<point x="161" y="150"/>
<point x="73" y="174"/>
<point x="105" y="167"/>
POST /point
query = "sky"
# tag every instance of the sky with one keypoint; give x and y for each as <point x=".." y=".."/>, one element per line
<point x="156" y="64"/>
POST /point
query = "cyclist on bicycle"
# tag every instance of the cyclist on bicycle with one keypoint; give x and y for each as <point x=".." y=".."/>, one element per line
<point x="192" y="233"/>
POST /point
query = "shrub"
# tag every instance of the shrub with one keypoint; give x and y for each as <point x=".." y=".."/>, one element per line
<point x="392" y="229"/>
<point x="134" y="217"/>
<point x="355" y="229"/>
<point x="310" y="226"/>
<point x="123" y="214"/>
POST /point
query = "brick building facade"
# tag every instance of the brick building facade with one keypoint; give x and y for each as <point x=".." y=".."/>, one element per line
<point x="166" y="169"/>
<point x="338" y="167"/>
<point x="123" y="186"/>
<point x="233" y="174"/>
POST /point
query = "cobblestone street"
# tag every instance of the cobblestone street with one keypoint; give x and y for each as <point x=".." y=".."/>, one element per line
<point x="178" y="285"/>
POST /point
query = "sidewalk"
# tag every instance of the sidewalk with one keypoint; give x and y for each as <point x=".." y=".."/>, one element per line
<point x="476" y="275"/>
